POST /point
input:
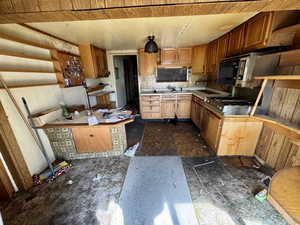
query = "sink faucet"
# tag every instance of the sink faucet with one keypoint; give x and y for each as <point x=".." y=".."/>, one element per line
<point x="172" y="89"/>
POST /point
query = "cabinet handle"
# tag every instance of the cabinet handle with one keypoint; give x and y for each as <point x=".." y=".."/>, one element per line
<point x="91" y="135"/>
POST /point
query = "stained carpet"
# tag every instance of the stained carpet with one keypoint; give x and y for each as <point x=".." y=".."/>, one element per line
<point x="155" y="192"/>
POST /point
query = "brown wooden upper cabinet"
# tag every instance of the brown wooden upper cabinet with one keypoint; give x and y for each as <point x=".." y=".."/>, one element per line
<point x="176" y="56"/>
<point x="199" y="59"/>
<point x="236" y="40"/>
<point x="147" y="63"/>
<point x="94" y="61"/>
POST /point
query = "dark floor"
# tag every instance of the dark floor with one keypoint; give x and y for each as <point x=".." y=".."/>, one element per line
<point x="167" y="139"/>
<point x="222" y="192"/>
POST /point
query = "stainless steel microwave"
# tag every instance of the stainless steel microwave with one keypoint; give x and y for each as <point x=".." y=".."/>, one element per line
<point x="237" y="71"/>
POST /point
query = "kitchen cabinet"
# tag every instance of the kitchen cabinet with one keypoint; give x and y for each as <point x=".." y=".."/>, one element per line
<point x="239" y="136"/>
<point x="184" y="56"/>
<point x="147" y="63"/>
<point x="169" y="56"/>
<point x="176" y="56"/>
<point x="212" y="57"/>
<point x="225" y="135"/>
<point x="150" y="107"/>
<point x="166" y="106"/>
<point x="222" y="47"/>
<point x="257" y="31"/>
<point x="183" y="109"/>
<point x="236" y="40"/>
<point x="211" y="128"/>
<point x="168" y="109"/>
<point x="92" y="139"/>
<point x="93" y="60"/>
<point x="199" y="59"/>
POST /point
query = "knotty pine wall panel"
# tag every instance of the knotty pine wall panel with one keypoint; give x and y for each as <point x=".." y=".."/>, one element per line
<point x="275" y="149"/>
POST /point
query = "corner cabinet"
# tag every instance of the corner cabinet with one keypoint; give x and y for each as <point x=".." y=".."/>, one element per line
<point x="94" y="61"/>
<point x="147" y="63"/>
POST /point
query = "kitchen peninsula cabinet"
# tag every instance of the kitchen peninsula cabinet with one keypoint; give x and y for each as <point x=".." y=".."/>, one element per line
<point x="227" y="136"/>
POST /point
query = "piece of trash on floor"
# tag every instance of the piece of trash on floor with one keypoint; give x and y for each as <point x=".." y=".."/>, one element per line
<point x="97" y="177"/>
<point x="266" y="181"/>
<point x="130" y="152"/>
<point x="69" y="182"/>
<point x="262" y="195"/>
<point x="47" y="176"/>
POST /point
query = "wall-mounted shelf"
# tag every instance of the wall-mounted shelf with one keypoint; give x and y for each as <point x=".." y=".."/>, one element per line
<point x="278" y="77"/>
<point x="96" y="88"/>
<point x="20" y="55"/>
<point x="30" y="85"/>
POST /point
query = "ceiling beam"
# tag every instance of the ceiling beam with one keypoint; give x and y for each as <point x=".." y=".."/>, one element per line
<point x="133" y="11"/>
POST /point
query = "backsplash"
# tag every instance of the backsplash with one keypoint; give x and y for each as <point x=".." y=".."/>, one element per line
<point x="149" y="82"/>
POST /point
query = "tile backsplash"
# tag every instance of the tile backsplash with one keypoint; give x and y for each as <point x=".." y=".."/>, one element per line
<point x="149" y="82"/>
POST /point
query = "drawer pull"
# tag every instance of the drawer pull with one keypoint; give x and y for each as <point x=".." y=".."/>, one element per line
<point x="91" y="135"/>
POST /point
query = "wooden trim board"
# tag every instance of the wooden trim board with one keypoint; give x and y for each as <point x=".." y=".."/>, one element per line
<point x="134" y="9"/>
<point x="12" y="154"/>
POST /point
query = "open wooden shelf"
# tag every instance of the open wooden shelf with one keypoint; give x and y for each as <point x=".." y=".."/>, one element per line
<point x="29" y="85"/>
<point x="26" y="42"/>
<point x="278" y="77"/>
<point x="96" y="88"/>
<point x="26" y="71"/>
<point x="20" y="55"/>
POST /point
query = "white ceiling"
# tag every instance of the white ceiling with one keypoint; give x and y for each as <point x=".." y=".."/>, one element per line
<point x="124" y="34"/>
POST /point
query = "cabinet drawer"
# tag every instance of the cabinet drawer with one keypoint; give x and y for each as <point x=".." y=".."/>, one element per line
<point x="149" y="115"/>
<point x="151" y="109"/>
<point x="151" y="103"/>
<point x="184" y="97"/>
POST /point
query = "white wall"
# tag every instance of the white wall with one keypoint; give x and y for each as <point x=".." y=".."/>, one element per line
<point x="38" y="98"/>
<point x="120" y="80"/>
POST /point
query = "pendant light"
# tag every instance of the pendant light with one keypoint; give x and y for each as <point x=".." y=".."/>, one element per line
<point x="151" y="46"/>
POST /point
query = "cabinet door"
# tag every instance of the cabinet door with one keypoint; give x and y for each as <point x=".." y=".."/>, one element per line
<point x="222" y="47"/>
<point x="147" y="63"/>
<point x="100" y="62"/>
<point x="213" y="130"/>
<point x="169" y="56"/>
<point x="183" y="108"/>
<point x="168" y="109"/>
<point x="257" y="31"/>
<point x="236" y="40"/>
<point x="184" y="56"/>
<point x="193" y="111"/>
<point x="212" y="57"/>
<point x="199" y="59"/>
<point x="92" y="139"/>
<point x="239" y="137"/>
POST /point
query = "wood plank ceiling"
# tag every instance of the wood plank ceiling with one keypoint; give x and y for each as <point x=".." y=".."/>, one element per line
<point x="25" y="11"/>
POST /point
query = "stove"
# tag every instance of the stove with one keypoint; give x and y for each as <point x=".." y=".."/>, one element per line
<point x="230" y="105"/>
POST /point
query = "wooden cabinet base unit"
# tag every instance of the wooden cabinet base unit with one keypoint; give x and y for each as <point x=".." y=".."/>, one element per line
<point x="227" y="136"/>
<point x="166" y="106"/>
<point x="92" y="139"/>
<point x="239" y="136"/>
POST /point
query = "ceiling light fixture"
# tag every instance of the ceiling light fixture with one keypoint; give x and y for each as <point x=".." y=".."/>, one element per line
<point x="151" y="46"/>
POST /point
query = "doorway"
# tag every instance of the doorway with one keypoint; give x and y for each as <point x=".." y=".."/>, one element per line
<point x="127" y="88"/>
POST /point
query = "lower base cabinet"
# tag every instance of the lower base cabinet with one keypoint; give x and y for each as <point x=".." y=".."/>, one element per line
<point x="226" y="136"/>
<point x="166" y="106"/>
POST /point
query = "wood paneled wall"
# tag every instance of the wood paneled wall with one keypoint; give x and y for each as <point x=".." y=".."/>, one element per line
<point x="275" y="149"/>
<point x="25" y="11"/>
